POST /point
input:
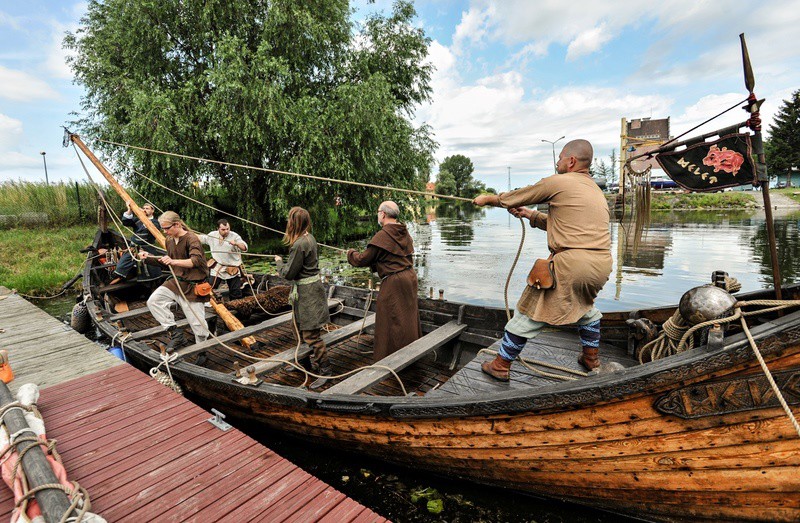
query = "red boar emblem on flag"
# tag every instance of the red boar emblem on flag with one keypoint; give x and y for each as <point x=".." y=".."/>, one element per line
<point x="723" y="160"/>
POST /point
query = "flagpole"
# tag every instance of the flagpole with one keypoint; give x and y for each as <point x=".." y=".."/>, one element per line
<point x="753" y="107"/>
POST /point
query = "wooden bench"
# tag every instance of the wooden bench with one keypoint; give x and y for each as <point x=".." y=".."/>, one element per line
<point x="154" y="331"/>
<point x="242" y="333"/>
<point x="399" y="360"/>
<point x="329" y="338"/>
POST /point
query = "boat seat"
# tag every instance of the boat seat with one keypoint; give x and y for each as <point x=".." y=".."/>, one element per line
<point x="158" y="329"/>
<point x="399" y="360"/>
<point x="330" y="338"/>
<point x="242" y="333"/>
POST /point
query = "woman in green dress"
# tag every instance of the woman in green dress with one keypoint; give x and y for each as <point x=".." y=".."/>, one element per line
<point x="308" y="299"/>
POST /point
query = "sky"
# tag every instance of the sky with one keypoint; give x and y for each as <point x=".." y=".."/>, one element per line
<point x="509" y="74"/>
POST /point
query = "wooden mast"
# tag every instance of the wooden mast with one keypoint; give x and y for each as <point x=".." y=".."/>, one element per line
<point x="753" y="107"/>
<point x="230" y="320"/>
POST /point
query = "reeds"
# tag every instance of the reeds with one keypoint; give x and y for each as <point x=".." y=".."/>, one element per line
<point x="37" y="204"/>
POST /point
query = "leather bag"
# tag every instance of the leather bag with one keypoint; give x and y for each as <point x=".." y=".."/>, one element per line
<point x="543" y="274"/>
<point x="202" y="289"/>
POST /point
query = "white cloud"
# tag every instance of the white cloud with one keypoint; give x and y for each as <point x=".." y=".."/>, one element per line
<point x="10" y="132"/>
<point x="588" y="42"/>
<point x="23" y="87"/>
<point x="473" y="27"/>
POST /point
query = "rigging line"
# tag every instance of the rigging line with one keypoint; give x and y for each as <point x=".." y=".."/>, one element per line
<point x="309" y="176"/>
<point x="221" y="211"/>
<point x="737" y="104"/>
<point x="159" y="209"/>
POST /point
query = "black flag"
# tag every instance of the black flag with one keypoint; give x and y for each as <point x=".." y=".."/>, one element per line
<point x="711" y="166"/>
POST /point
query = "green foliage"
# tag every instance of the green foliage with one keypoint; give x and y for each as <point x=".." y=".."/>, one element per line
<point x="289" y="85"/>
<point x="721" y="200"/>
<point x="782" y="149"/>
<point x="455" y="178"/>
<point x="37" y="204"/>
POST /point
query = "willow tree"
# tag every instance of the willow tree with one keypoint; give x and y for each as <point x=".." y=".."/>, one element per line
<point x="291" y="85"/>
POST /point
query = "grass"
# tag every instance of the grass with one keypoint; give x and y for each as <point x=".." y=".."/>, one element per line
<point x="37" y="204"/>
<point x="791" y="192"/>
<point x="40" y="261"/>
<point x="677" y="201"/>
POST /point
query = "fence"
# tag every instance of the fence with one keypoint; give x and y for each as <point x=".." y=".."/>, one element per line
<point x="37" y="204"/>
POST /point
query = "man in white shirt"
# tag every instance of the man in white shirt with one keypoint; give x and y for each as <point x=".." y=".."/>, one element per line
<point x="226" y="247"/>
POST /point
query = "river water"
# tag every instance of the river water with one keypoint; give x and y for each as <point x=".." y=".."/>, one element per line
<point x="468" y="252"/>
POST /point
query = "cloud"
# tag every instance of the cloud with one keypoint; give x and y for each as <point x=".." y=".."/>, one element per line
<point x="588" y="42"/>
<point x="473" y="27"/>
<point x="23" y="87"/>
<point x="10" y="132"/>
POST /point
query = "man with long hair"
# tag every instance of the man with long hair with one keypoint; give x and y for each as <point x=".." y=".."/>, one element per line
<point x="188" y="262"/>
<point x="308" y="298"/>
<point x="389" y="253"/>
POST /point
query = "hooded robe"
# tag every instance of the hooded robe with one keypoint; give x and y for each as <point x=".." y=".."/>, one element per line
<point x="397" y="311"/>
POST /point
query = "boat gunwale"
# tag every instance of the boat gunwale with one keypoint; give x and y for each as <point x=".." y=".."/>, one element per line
<point x="650" y="378"/>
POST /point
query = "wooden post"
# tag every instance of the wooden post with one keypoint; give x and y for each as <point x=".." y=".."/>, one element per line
<point x="753" y="107"/>
<point x="54" y="503"/>
<point x="230" y="320"/>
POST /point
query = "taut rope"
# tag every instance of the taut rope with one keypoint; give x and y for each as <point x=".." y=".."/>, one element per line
<point x="299" y="175"/>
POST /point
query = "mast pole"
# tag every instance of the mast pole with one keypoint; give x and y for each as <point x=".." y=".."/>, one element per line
<point x="753" y="107"/>
<point x="230" y="320"/>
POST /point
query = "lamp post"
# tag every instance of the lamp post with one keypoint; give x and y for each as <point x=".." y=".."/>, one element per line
<point x="46" y="179"/>
<point x="555" y="166"/>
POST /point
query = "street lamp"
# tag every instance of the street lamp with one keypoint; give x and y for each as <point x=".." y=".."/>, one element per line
<point x="555" y="166"/>
<point x="46" y="179"/>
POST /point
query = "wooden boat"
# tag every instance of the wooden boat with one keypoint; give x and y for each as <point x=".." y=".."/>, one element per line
<point x="698" y="435"/>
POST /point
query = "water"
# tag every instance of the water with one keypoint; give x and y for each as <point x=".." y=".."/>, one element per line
<point x="468" y="252"/>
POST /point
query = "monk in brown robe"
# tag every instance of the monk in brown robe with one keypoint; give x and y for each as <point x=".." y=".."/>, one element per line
<point x="577" y="226"/>
<point x="389" y="254"/>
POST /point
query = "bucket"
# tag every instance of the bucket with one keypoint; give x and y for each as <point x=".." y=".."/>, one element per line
<point x="118" y="352"/>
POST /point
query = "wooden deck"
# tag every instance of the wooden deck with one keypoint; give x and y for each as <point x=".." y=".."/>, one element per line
<point x="145" y="453"/>
<point x="560" y="348"/>
<point x="43" y="350"/>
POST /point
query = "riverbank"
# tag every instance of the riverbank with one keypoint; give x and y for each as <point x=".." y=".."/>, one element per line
<point x="39" y="261"/>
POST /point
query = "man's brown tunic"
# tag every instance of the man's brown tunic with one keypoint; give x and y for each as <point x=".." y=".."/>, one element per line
<point x="397" y="312"/>
<point x="577" y="231"/>
<point x="186" y="247"/>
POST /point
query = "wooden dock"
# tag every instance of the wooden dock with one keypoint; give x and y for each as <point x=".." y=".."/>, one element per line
<point x="143" y="452"/>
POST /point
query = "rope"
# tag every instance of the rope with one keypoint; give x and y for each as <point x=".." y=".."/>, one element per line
<point x="299" y="175"/>
<point x="221" y="211"/>
<point x="513" y="266"/>
<point x="529" y="363"/>
<point x="770" y="378"/>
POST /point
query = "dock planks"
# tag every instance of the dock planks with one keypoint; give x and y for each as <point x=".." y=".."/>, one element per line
<point x="143" y="452"/>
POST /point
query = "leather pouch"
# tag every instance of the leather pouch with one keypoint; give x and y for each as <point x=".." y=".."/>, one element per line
<point x="202" y="289"/>
<point x="232" y="270"/>
<point x="543" y="274"/>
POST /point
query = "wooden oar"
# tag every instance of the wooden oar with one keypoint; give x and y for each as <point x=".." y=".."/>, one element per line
<point x="230" y="320"/>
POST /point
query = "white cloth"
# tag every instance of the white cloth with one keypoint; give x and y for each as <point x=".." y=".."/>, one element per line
<point x="159" y="303"/>
<point x="224" y="252"/>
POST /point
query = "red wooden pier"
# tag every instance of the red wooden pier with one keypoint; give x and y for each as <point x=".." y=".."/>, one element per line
<point x="145" y="453"/>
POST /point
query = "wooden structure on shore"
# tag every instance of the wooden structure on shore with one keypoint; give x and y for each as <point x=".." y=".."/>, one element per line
<point x="143" y="452"/>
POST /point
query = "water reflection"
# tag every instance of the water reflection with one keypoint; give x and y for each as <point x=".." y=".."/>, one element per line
<point x="469" y="254"/>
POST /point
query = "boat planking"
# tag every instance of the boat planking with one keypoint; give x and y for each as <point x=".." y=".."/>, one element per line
<point x="697" y="435"/>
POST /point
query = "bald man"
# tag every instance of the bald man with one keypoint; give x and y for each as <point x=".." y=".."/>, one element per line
<point x="389" y="254"/>
<point x="577" y="226"/>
